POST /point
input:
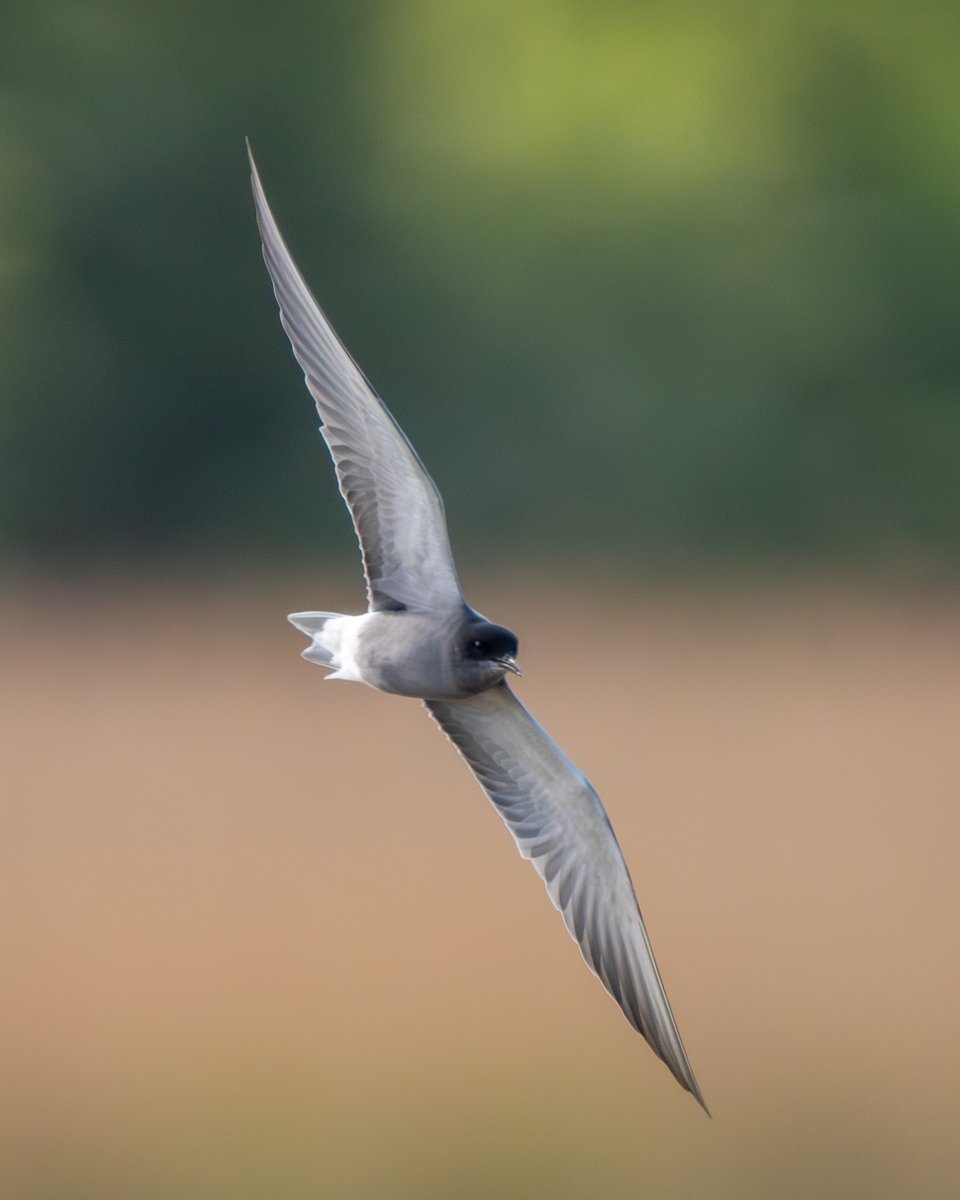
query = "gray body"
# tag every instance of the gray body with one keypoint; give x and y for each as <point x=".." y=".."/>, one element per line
<point x="419" y="638"/>
<point x="413" y="654"/>
<point x="407" y="652"/>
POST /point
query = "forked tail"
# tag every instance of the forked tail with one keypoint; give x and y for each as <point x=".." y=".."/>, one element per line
<point x="325" y="643"/>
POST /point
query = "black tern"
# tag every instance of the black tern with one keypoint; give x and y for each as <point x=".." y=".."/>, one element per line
<point x="420" y="638"/>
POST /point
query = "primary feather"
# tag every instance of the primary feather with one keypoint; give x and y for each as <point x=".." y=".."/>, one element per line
<point x="559" y="824"/>
<point x="396" y="508"/>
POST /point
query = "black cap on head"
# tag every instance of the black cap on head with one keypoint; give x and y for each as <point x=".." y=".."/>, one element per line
<point x="486" y="641"/>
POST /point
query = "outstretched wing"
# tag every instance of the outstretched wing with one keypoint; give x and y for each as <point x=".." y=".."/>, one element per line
<point x="560" y="824"/>
<point x="396" y="508"/>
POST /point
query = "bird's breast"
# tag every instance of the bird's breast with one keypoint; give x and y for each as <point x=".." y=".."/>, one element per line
<point x="408" y="654"/>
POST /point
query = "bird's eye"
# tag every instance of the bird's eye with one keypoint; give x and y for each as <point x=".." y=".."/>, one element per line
<point x="476" y="644"/>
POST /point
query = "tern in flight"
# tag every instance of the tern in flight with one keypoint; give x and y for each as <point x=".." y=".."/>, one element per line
<point x="420" y="638"/>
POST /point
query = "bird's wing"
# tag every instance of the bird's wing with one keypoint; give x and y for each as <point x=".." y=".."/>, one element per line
<point x="559" y="823"/>
<point x="396" y="508"/>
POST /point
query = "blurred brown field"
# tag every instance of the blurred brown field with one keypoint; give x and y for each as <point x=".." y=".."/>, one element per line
<point x="263" y="935"/>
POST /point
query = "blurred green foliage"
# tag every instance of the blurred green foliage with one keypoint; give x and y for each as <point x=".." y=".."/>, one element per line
<point x="680" y="280"/>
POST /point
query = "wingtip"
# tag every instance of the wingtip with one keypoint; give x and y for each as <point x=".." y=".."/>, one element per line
<point x="684" y="1075"/>
<point x="703" y="1104"/>
<point x="254" y="173"/>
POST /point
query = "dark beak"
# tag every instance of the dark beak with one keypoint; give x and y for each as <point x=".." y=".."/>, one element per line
<point x="509" y="663"/>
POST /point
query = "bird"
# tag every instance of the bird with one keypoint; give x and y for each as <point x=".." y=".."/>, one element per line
<point x="419" y="638"/>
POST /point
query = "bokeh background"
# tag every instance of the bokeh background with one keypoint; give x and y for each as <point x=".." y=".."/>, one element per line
<point x="667" y="296"/>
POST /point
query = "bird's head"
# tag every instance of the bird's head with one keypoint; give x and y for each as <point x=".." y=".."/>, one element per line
<point x="486" y="653"/>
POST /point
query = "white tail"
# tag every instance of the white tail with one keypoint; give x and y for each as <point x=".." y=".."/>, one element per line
<point x="323" y="649"/>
